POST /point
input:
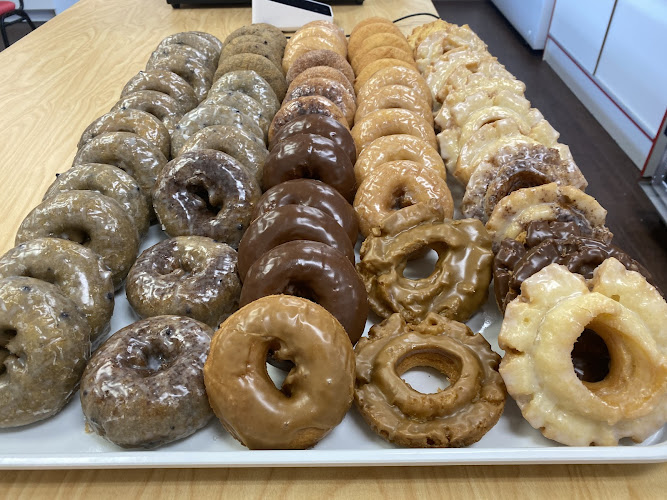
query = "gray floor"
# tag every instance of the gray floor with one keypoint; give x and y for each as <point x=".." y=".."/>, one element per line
<point x="17" y="31"/>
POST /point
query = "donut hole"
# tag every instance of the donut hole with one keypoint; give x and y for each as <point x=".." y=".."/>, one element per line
<point x="77" y="235"/>
<point x="590" y="357"/>
<point x="300" y="289"/>
<point x="523" y="178"/>
<point x="149" y="358"/>
<point x="200" y="191"/>
<point x="277" y="369"/>
<point x="422" y="262"/>
<point x="6" y="336"/>
<point x="401" y="198"/>
<point x="428" y="372"/>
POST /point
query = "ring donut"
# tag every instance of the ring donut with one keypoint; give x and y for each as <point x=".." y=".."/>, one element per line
<point x="365" y="58"/>
<point x="204" y="45"/>
<point x="383" y="39"/>
<point x="320" y="58"/>
<point x="396" y="75"/>
<point x="330" y="89"/>
<point x="323" y="72"/>
<point x="250" y="44"/>
<point x="307" y="105"/>
<point x="211" y="38"/>
<point x="389" y="122"/>
<point x="375" y="66"/>
<point x="262" y="30"/>
<point x="245" y="104"/>
<point x="395" y="96"/>
<point x="196" y="73"/>
<point x="261" y="65"/>
<point x="182" y="51"/>
<point x="251" y="84"/>
<point x="362" y="33"/>
<point x="160" y="105"/>
<point x="305" y="44"/>
<point x="166" y="82"/>
<point x="315" y="28"/>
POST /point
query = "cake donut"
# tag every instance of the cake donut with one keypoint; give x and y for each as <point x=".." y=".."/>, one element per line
<point x="166" y="82"/>
<point x="316" y="393"/>
<point x="196" y="73"/>
<point x="323" y="72"/>
<point x="189" y="276"/>
<point x="160" y="105"/>
<point x="330" y="89"/>
<point x="251" y="84"/>
<point x="395" y="96"/>
<point x="261" y="65"/>
<point x="396" y="75"/>
<point x="320" y="58"/>
<point x="388" y="122"/>
<point x="306" y="105"/>
<point x="206" y="193"/>
<point x="303" y="45"/>
<point x="189" y="53"/>
<point x="144" y="386"/>
<point x="245" y="104"/>
<point x="252" y="44"/>
<point x="457" y="416"/>
<point x="44" y="346"/>
<point x="262" y="30"/>
<point x="209" y="49"/>
<point x="91" y="219"/>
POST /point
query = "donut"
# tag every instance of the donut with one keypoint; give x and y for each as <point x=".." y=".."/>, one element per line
<point x="375" y="66"/>
<point x="262" y="30"/>
<point x="189" y="276"/>
<point x="365" y="58"/>
<point x="144" y="387"/>
<point x="320" y="58"/>
<point x="110" y="181"/>
<point x="362" y="33"/>
<point x="388" y="122"/>
<point x="45" y="345"/>
<point x="91" y="219"/>
<point x="245" y="104"/>
<point x="305" y="44"/>
<point x="211" y="38"/>
<point x="458" y="285"/>
<point x="395" y="96"/>
<point x="251" y="84"/>
<point x="330" y="89"/>
<point x="261" y="65"/>
<point x="135" y="121"/>
<point x="289" y="223"/>
<point x="396" y="75"/>
<point x="160" y="105"/>
<point x="397" y="147"/>
<point x="180" y="50"/>
<point x="397" y="185"/>
<point x="233" y="141"/>
<point x="196" y="73"/>
<point x="316" y="124"/>
<point x="77" y="272"/>
<point x="457" y="416"/>
<point x="370" y="20"/>
<point x="166" y="82"/>
<point x="311" y="193"/>
<point x="419" y="33"/>
<point x="315" y="271"/>
<point x="206" y="193"/>
<point x="307" y="105"/>
<point x="203" y="45"/>
<point x="438" y="43"/>
<point x="323" y="72"/>
<point x="384" y="40"/>
<point x="538" y="334"/>
<point x="252" y="44"/>
<point x="320" y="28"/>
<point x="316" y="393"/>
<point x="310" y="156"/>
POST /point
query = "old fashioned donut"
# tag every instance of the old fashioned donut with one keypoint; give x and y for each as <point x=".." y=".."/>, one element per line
<point x="361" y="33"/>
<point x="261" y="65"/>
<point x="77" y="272"/>
<point x="144" y="387"/>
<point x="44" y="346"/>
<point x="395" y="96"/>
<point x="311" y="193"/>
<point x="320" y="58"/>
<point x="457" y="416"/>
<point x="397" y="147"/>
<point x="316" y="393"/>
<point x="310" y="156"/>
<point x="135" y="121"/>
<point x="193" y="71"/>
<point x="375" y="66"/>
<point x="187" y="52"/>
<point x="395" y="186"/>
<point x="305" y="44"/>
<point x="365" y="58"/>
<point x="110" y="181"/>
<point x="261" y="30"/>
<point x="189" y="276"/>
<point x="206" y="193"/>
<point x="396" y="75"/>
<point x="323" y="72"/>
<point x="252" y="44"/>
<point x="209" y="49"/>
<point x="388" y="122"/>
<point x="330" y="89"/>
<point x="458" y="285"/>
<point x="538" y="334"/>
<point x="166" y="82"/>
<point x="289" y="223"/>
<point x="307" y="105"/>
<point x="162" y="106"/>
<point x="315" y="271"/>
<point x="245" y="104"/>
<point x="91" y="219"/>
<point x="233" y="141"/>
<point x="251" y="84"/>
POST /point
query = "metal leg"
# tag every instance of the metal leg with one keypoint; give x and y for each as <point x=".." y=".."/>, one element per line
<point x="3" y="29"/>
<point x="25" y="16"/>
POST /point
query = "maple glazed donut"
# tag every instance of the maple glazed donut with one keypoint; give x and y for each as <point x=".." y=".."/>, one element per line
<point x="189" y="276"/>
<point x="391" y="121"/>
<point x="166" y="82"/>
<point x="144" y="386"/>
<point x="316" y="393"/>
<point x="453" y="417"/>
<point x="306" y="105"/>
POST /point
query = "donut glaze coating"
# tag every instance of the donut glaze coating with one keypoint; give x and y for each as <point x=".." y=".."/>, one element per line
<point x="209" y="49"/>
<point x="316" y="393"/>
<point x="323" y="72"/>
<point x="144" y="386"/>
<point x="189" y="276"/>
<point x="315" y="271"/>
<point x="314" y="194"/>
<point x="297" y="48"/>
<point x="166" y="82"/>
<point x="193" y="71"/>
<point x="376" y="66"/>
<point x="396" y="75"/>
<point x="391" y="121"/>
<point x="313" y="157"/>
<point x="289" y="223"/>
<point x="160" y="105"/>
<point x="330" y="89"/>
<point x="306" y="105"/>
<point x="245" y="104"/>
<point x="206" y="193"/>
<point x="182" y="51"/>
<point x="44" y="346"/>
<point x="320" y="57"/>
<point x="395" y="96"/>
<point x="251" y="84"/>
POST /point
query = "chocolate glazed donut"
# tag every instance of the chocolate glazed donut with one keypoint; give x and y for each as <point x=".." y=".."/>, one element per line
<point x="312" y="157"/>
<point x="289" y="223"/>
<point x="314" y="271"/>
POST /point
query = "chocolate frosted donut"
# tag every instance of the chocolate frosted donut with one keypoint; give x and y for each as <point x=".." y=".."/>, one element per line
<point x="91" y="219"/>
<point x="316" y="124"/>
<point x="189" y="276"/>
<point x="251" y="84"/>
<point x="320" y="58"/>
<point x="209" y="49"/>
<point x="44" y="346"/>
<point x="206" y="193"/>
<point x="144" y="387"/>
<point x="315" y="271"/>
<point x="314" y="194"/>
<point x="166" y="82"/>
<point x="193" y="71"/>
<point x="312" y="157"/>
<point x="307" y="105"/>
<point x="289" y="223"/>
<point x="78" y="272"/>
<point x="160" y="105"/>
<point x="330" y="89"/>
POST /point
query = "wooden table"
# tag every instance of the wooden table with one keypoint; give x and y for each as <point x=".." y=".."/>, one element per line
<point x="53" y="83"/>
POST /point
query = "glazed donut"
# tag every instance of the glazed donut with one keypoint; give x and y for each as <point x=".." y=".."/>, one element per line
<point x="160" y="105"/>
<point x="315" y="271"/>
<point x="383" y="39"/>
<point x="388" y="122"/>
<point x="361" y="33"/>
<point x="204" y="45"/>
<point x="322" y="125"/>
<point x="144" y="387"/>
<point x="252" y="44"/>
<point x="323" y="72"/>
<point x="324" y="29"/>
<point x="330" y="89"/>
<point x="538" y="334"/>
<point x="251" y="84"/>
<point x="77" y="272"/>
<point x="370" y="20"/>
<point x="458" y="285"/>
<point x="320" y="58"/>
<point x="289" y="223"/>
<point x="206" y="193"/>
<point x="303" y="45"/>
<point x="245" y="104"/>
<point x="233" y="141"/>
<point x="135" y="121"/>
<point x="310" y="156"/>
<point x="110" y="181"/>
<point x="311" y="193"/>
<point x="166" y="82"/>
<point x="91" y="219"/>
<point x="262" y="30"/>
<point x="395" y="96"/>
<point x="189" y="276"/>
<point x="365" y="58"/>
<point x="375" y="66"/>
<point x="395" y="186"/>
<point x="163" y="52"/>
<point x="197" y="74"/>
<point x="457" y="416"/>
<point x="397" y="147"/>
<point x="307" y="105"/>
<point x="45" y="343"/>
<point x="261" y="65"/>
<point x="316" y="393"/>
<point x="396" y="75"/>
